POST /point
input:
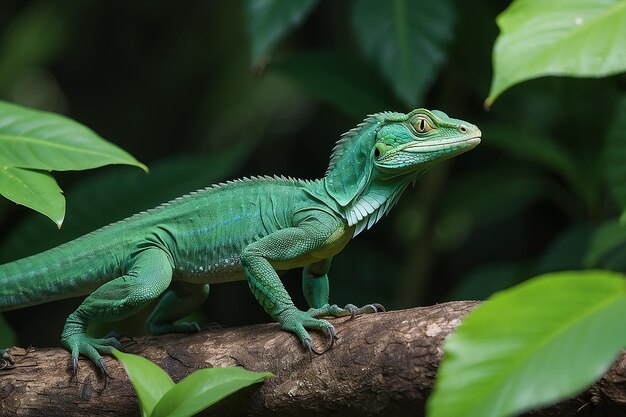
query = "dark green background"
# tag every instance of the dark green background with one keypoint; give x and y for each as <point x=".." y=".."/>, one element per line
<point x="172" y="83"/>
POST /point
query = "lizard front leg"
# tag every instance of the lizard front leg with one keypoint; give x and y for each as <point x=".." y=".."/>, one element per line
<point x="279" y="248"/>
<point x="148" y="277"/>
<point x="316" y="292"/>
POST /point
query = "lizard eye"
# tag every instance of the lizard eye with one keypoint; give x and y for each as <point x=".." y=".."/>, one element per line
<point x="422" y="125"/>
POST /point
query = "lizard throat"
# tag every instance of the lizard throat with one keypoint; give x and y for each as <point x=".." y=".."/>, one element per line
<point x="374" y="203"/>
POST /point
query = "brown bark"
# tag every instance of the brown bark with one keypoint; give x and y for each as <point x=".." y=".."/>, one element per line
<point x="383" y="364"/>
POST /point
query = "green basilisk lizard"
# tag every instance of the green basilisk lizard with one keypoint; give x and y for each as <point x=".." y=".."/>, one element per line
<point x="245" y="229"/>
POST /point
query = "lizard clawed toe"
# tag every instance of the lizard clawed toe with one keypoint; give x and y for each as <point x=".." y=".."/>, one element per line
<point x="103" y="368"/>
<point x="379" y="307"/>
<point x="308" y="343"/>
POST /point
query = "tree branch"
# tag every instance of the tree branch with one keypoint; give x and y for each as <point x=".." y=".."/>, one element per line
<point x="383" y="364"/>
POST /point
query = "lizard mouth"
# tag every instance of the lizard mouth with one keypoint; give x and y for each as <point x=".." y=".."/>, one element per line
<point x="422" y="147"/>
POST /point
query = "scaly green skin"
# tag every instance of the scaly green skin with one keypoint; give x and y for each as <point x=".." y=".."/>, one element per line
<point x="245" y="229"/>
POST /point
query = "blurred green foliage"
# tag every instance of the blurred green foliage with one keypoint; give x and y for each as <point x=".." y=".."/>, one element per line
<point x="203" y="93"/>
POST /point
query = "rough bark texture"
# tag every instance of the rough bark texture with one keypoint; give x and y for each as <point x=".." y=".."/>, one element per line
<point x="383" y="364"/>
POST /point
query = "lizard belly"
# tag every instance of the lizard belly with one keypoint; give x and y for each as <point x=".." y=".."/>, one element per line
<point x="210" y="271"/>
<point x="332" y="246"/>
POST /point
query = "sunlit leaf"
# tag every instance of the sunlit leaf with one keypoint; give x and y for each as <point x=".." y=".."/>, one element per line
<point x="41" y="140"/>
<point x="407" y="39"/>
<point x="269" y="20"/>
<point x="615" y="154"/>
<point x="203" y="388"/>
<point x="150" y="381"/>
<point x="584" y="38"/>
<point x="539" y="342"/>
<point x="34" y="189"/>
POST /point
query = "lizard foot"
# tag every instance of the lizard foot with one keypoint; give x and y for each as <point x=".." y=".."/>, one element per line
<point x="6" y="360"/>
<point x="297" y="322"/>
<point x="82" y="344"/>
<point x="163" y="328"/>
<point x="349" y="310"/>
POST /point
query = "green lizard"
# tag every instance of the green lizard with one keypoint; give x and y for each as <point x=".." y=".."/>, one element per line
<point x="246" y="229"/>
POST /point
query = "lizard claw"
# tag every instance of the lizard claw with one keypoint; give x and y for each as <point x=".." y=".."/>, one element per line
<point x="103" y="367"/>
<point x="74" y="365"/>
<point x="308" y="343"/>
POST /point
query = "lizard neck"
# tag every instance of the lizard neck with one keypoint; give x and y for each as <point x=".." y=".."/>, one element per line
<point x="376" y="200"/>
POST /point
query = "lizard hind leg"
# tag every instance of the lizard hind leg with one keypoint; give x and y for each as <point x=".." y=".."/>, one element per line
<point x="149" y="276"/>
<point x="180" y="300"/>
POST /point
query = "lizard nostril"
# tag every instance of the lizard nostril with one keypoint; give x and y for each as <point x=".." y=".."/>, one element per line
<point x="463" y="129"/>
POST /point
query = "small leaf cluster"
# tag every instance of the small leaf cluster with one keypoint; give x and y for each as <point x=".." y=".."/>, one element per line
<point x="159" y="396"/>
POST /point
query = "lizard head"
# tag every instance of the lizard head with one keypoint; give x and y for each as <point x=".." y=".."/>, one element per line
<point x="422" y="139"/>
<point x="393" y="148"/>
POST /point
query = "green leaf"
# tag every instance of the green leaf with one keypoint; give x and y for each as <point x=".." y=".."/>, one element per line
<point x="559" y="37"/>
<point x="41" y="140"/>
<point x="615" y="154"/>
<point x="34" y="189"/>
<point x="269" y="20"/>
<point x="542" y="341"/>
<point x="150" y="381"/>
<point x="407" y="39"/>
<point x="203" y="388"/>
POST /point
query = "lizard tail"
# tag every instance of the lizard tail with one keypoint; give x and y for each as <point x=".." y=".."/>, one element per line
<point x="69" y="270"/>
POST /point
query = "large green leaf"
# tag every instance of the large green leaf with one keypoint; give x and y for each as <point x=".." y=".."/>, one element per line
<point x="150" y="381"/>
<point x="41" y="140"/>
<point x="582" y="38"/>
<point x="534" y="344"/>
<point x="34" y="189"/>
<point x="269" y="20"/>
<point x="615" y="154"/>
<point x="203" y="388"/>
<point x="407" y="39"/>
